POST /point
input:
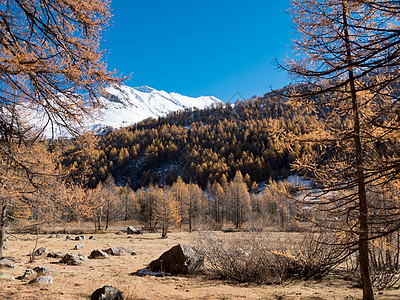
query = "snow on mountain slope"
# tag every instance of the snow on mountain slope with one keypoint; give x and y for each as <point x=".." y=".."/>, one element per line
<point x="124" y="106"/>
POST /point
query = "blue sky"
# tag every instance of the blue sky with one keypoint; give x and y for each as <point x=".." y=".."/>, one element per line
<point x="196" y="48"/>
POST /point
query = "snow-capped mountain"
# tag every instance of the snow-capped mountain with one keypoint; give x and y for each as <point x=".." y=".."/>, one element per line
<point x="124" y="106"/>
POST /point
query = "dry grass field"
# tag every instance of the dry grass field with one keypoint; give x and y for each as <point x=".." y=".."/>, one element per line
<point x="78" y="282"/>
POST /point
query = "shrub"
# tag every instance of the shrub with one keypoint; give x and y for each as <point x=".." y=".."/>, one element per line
<point x="255" y="257"/>
<point x="384" y="256"/>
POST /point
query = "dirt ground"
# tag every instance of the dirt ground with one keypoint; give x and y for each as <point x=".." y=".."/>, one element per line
<point x="78" y="282"/>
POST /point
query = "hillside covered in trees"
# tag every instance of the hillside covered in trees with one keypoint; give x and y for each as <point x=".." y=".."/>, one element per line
<point x="257" y="137"/>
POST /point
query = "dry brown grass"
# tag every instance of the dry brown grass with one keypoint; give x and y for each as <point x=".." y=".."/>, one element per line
<point x="78" y="282"/>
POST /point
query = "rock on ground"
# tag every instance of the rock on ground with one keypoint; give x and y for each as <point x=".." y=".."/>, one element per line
<point x="98" y="254"/>
<point x="117" y="251"/>
<point x="133" y="230"/>
<point x="8" y="263"/>
<point x="79" y="246"/>
<point x="41" y="251"/>
<point x="73" y="260"/>
<point x="107" y="293"/>
<point x="43" y="279"/>
<point x="29" y="273"/>
<point x="180" y="259"/>
<point x="6" y="276"/>
<point x="53" y="254"/>
<point x="42" y="271"/>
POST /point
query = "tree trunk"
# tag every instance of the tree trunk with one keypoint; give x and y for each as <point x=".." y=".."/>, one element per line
<point x="164" y="231"/>
<point x="362" y="196"/>
<point x="3" y="219"/>
<point x="126" y="207"/>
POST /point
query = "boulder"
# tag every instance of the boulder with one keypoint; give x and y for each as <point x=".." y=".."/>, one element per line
<point x="54" y="236"/>
<point x="133" y="230"/>
<point x="180" y="259"/>
<point x="73" y="260"/>
<point x="68" y="237"/>
<point x="6" y="276"/>
<point x="107" y="293"/>
<point x="42" y="271"/>
<point x="7" y="263"/>
<point x="42" y="279"/>
<point x="98" y="254"/>
<point x="79" y="246"/>
<point x="41" y="251"/>
<point x="79" y="237"/>
<point x="92" y="237"/>
<point x="53" y="254"/>
<point x="117" y="251"/>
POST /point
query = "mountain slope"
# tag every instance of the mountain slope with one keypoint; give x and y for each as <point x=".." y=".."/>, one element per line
<point x="125" y="105"/>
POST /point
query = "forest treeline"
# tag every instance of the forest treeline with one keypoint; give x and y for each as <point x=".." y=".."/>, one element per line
<point x="181" y="205"/>
<point x="256" y="137"/>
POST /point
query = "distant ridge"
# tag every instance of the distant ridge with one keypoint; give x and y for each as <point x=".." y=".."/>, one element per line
<point x="125" y="106"/>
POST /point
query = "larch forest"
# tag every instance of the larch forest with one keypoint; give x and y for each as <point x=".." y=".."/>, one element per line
<point x="318" y="159"/>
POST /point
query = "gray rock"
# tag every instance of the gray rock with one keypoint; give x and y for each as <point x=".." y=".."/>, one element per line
<point x="6" y="276"/>
<point x="7" y="263"/>
<point x="92" y="237"/>
<point x="53" y="254"/>
<point x="133" y="230"/>
<point x="98" y="254"/>
<point x="79" y="246"/>
<point x="73" y="260"/>
<point x="68" y="237"/>
<point x="43" y="280"/>
<point x="42" y="271"/>
<point x="180" y="259"/>
<point x="41" y="251"/>
<point x="54" y="236"/>
<point x="107" y="293"/>
<point x="82" y="257"/>
<point x="117" y="251"/>
<point x="6" y="240"/>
